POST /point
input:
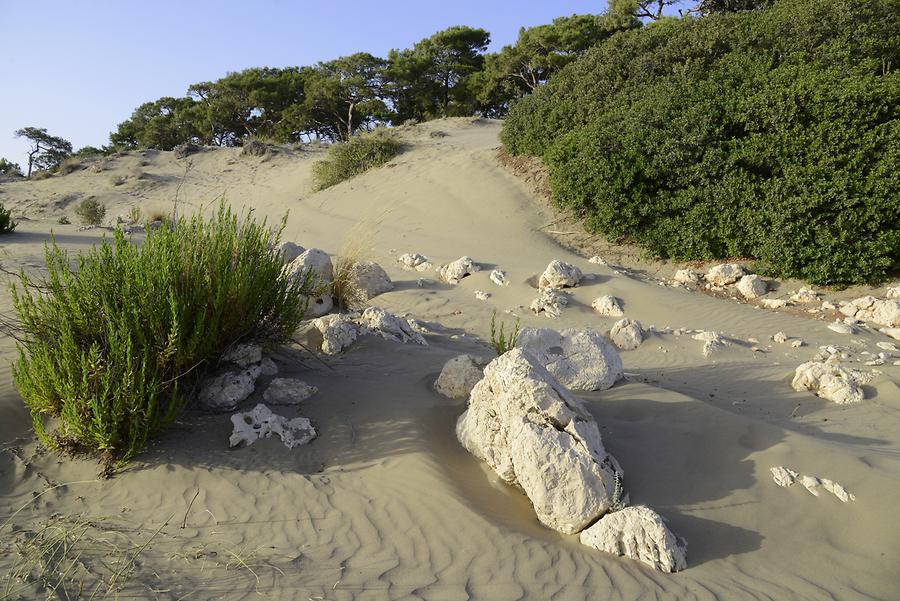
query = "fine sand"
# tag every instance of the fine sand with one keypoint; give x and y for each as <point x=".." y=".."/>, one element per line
<point x="385" y="503"/>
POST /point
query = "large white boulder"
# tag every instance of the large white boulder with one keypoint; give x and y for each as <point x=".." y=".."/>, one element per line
<point x="579" y="359"/>
<point x="627" y="334"/>
<point x="752" y="286"/>
<point x="533" y="433"/>
<point x="288" y="391"/>
<point x="289" y="251"/>
<point x="560" y="274"/>
<point x="458" y="377"/>
<point x="639" y="533"/>
<point x="608" y="306"/>
<point x="250" y="426"/>
<point x="724" y="274"/>
<point x="390" y="327"/>
<point x="314" y="260"/>
<point x="453" y="272"/>
<point x="370" y="279"/>
<point x="829" y="381"/>
<point x="225" y="391"/>
<point x="550" y="302"/>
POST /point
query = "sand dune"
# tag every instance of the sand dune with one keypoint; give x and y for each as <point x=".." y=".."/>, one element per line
<point x="385" y="503"/>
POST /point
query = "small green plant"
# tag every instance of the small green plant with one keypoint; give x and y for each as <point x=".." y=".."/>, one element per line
<point x="63" y="220"/>
<point x="134" y="215"/>
<point x="7" y="224"/>
<point x="112" y="349"/>
<point x="499" y="340"/>
<point x="91" y="211"/>
<point x="363" y="152"/>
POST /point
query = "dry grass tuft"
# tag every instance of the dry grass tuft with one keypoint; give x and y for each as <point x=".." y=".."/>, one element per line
<point x="355" y="248"/>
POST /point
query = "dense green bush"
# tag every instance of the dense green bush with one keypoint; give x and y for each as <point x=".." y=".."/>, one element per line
<point x="114" y="347"/>
<point x="349" y="159"/>
<point x="769" y="134"/>
<point x="91" y="211"/>
<point x="6" y="221"/>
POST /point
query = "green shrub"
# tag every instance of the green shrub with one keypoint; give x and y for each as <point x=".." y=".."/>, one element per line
<point x="770" y="134"/>
<point x="91" y="211"/>
<point x="363" y="152"/>
<point x="6" y="221"/>
<point x="499" y="340"/>
<point x="115" y="347"/>
<point x="70" y="165"/>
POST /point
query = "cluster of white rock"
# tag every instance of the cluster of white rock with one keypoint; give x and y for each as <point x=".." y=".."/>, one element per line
<point x="260" y="422"/>
<point x="526" y="426"/>
<point x="339" y="331"/>
<point x="749" y="285"/>
<point x="830" y="380"/>
<point x="785" y="477"/>
<point x="551" y="299"/>
<point x="881" y="312"/>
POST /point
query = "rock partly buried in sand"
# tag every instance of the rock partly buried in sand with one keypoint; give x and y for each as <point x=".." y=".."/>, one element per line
<point x="712" y="341"/>
<point x="290" y="251"/>
<point x="369" y="279"/>
<point x="458" y="377"/>
<point x="639" y="533"/>
<point x="338" y="332"/>
<point x="752" y="286"/>
<point x="244" y="355"/>
<point x="579" y="359"/>
<point x="773" y="303"/>
<point x="724" y="274"/>
<point x="608" y="306"/>
<point x="891" y="332"/>
<point x="530" y="430"/>
<point x="414" y="262"/>
<point x="224" y="392"/>
<point x="453" y="272"/>
<point x="550" y="302"/>
<point x="560" y="274"/>
<point x="288" y="391"/>
<point x="829" y="381"/>
<point x="315" y="260"/>
<point x="597" y="260"/>
<point x="261" y="422"/>
<point x="868" y="308"/>
<point x="390" y="327"/>
<point x="783" y="476"/>
<point x="499" y="278"/>
<point x="841" y="328"/>
<point x="805" y="295"/>
<point x="482" y="295"/>
<point x="627" y="334"/>
<point x="686" y="276"/>
<point x="780" y="337"/>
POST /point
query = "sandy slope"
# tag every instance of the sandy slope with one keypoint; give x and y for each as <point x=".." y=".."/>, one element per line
<point x="385" y="504"/>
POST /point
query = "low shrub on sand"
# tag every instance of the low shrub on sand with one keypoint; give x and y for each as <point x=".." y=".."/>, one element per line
<point x="113" y="346"/>
<point x="499" y="339"/>
<point x="70" y="165"/>
<point x="349" y="159"/>
<point x="91" y="211"/>
<point x="6" y="221"/>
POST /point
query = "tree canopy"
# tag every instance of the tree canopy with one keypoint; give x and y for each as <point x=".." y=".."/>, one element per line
<point x="46" y="152"/>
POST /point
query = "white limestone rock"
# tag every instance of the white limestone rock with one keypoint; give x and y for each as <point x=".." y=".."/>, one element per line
<point x="893" y="292"/>
<point x="533" y="433"/>
<point x="627" y="334"/>
<point x="482" y="295"/>
<point x="338" y="333"/>
<point x="780" y="337"/>
<point x="797" y="343"/>
<point x="579" y="359"/>
<point x="225" y="391"/>
<point x="888" y="346"/>
<point x="560" y="274"/>
<point x="458" y="377"/>
<point x="837" y="490"/>
<point x="390" y="327"/>
<point x="828" y="380"/>
<point x="783" y="476"/>
<point x="453" y="272"/>
<point x="712" y="341"/>
<point x="891" y="332"/>
<point x="773" y="303"/>
<point x="724" y="274"/>
<point x="370" y="279"/>
<point x="314" y="260"/>
<point x="608" y="306"/>
<point x="414" y="262"/>
<point x="638" y="533"/>
<point x="550" y="302"/>
<point x="244" y="355"/>
<point x="810" y="483"/>
<point x="288" y="391"/>
<point x="252" y="425"/>
<point x="597" y="260"/>
<point x="752" y="286"/>
<point x="686" y="276"/>
<point x="499" y="278"/>
<point x="289" y="251"/>
<point x="805" y="295"/>
<point x="268" y="367"/>
<point x="841" y="328"/>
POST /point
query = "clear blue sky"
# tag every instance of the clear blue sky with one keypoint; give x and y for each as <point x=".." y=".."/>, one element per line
<point x="80" y="68"/>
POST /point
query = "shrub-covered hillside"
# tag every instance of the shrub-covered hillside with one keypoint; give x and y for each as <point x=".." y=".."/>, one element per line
<point x="770" y="134"/>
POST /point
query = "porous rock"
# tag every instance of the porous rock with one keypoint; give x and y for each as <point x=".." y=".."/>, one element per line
<point x="627" y="334"/>
<point x="390" y="327"/>
<point x="414" y="261"/>
<point x="225" y="391"/>
<point x="686" y="276"/>
<point x="805" y="295"/>
<point x="369" y="278"/>
<point x="597" y="260"/>
<point x="453" y="272"/>
<point x="533" y="433"/>
<point x="752" y="286"/>
<point x="724" y="274"/>
<point x="712" y="341"/>
<point x="783" y="476"/>
<point x="499" y="278"/>
<point x="638" y="533"/>
<point x="608" y="306"/>
<point x="560" y="274"/>
<point x="458" y="376"/>
<point x="868" y="308"/>
<point x="338" y="332"/>
<point x="828" y="380"/>
<point x="550" y="302"/>
<point x="579" y="359"/>
<point x="773" y="303"/>
<point x="288" y="391"/>
<point x="250" y="426"/>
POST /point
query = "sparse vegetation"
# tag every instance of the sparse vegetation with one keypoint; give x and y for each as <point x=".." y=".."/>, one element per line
<point x="7" y="224"/>
<point x="63" y="220"/>
<point x="361" y="153"/>
<point x="111" y="350"/>
<point x="70" y="165"/>
<point x="91" y="211"/>
<point x="10" y="169"/>
<point x="499" y="340"/>
<point x="134" y="215"/>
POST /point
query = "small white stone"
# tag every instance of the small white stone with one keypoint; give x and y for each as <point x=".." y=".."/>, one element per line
<point x="458" y="377"/>
<point x="841" y="328"/>
<point x="453" y="272"/>
<point x="724" y="274"/>
<point x="550" y="302"/>
<point x="560" y="274"/>
<point x="608" y="306"/>
<point x="773" y="303"/>
<point x="805" y="295"/>
<point x="482" y="295"/>
<point x="414" y="262"/>
<point x="810" y="483"/>
<point x="797" y="343"/>
<point x="499" y="278"/>
<point x="686" y="276"/>
<point x="627" y="334"/>
<point x="780" y="337"/>
<point x="783" y="476"/>
<point x="597" y="260"/>
<point x="752" y="286"/>
<point x="837" y="490"/>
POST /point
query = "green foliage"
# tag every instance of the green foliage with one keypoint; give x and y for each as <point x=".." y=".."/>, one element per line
<point x="114" y="347"/>
<point x="7" y="224"/>
<point x="9" y="168"/>
<point x="91" y="211"/>
<point x="46" y="152"/>
<point x="499" y="340"/>
<point x="349" y="159"/>
<point x="771" y="134"/>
